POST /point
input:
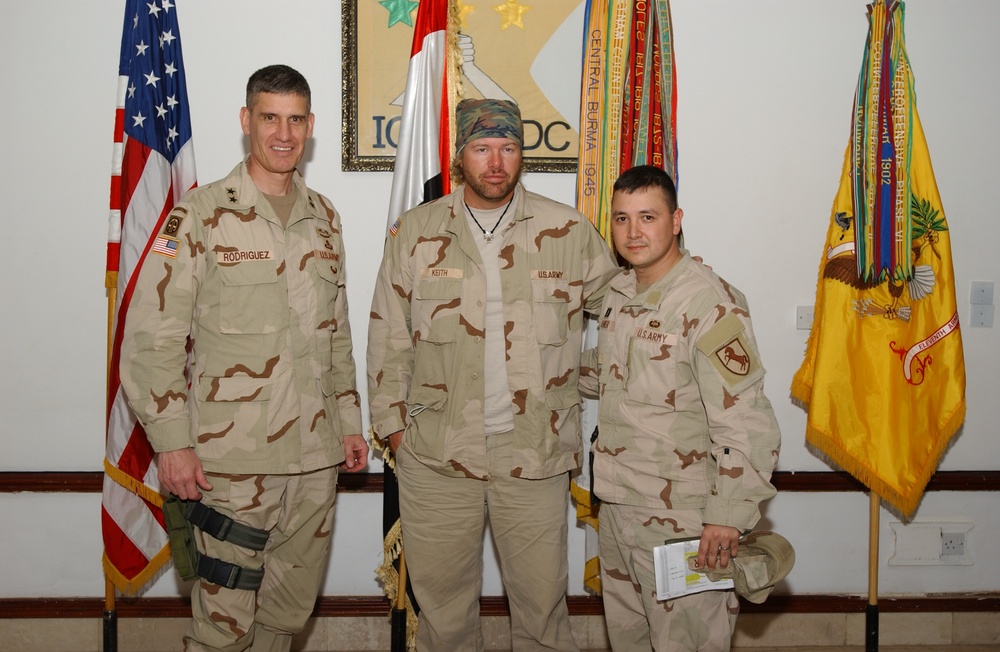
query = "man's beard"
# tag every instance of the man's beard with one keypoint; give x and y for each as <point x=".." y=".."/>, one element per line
<point x="493" y="192"/>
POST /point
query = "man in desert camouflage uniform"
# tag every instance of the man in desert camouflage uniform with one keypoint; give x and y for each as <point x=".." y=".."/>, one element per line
<point x="687" y="438"/>
<point x="473" y="356"/>
<point x="248" y="272"/>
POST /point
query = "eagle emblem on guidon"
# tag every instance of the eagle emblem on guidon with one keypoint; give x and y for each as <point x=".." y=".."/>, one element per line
<point x="734" y="357"/>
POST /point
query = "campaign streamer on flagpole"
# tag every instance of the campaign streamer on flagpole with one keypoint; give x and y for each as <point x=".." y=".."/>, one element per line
<point x="628" y="117"/>
<point x="884" y="372"/>
<point x="628" y="106"/>
<point x="421" y="173"/>
<point x="153" y="166"/>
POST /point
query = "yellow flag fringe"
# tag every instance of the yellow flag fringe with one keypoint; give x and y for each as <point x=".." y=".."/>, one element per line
<point x="156" y="567"/>
<point x="134" y="485"/>
<point x="905" y="503"/>
<point x="389" y="576"/>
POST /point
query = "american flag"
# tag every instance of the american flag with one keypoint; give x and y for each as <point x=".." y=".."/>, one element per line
<point x="153" y="167"/>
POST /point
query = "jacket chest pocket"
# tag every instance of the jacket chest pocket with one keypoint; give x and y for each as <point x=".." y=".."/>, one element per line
<point x="651" y="371"/>
<point x="609" y="363"/>
<point x="437" y="307"/>
<point x="250" y="298"/>
<point x="550" y="310"/>
<point x="328" y="287"/>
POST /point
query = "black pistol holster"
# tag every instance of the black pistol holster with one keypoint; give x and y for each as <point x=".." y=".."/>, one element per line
<point x="182" y="516"/>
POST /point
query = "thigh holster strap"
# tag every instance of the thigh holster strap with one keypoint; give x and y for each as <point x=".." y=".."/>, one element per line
<point x="181" y="516"/>
<point x="229" y="575"/>
<point x="224" y="528"/>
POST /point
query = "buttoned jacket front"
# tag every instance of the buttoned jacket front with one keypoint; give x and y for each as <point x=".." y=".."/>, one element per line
<point x="272" y="377"/>
<point x="426" y="342"/>
<point x="683" y="419"/>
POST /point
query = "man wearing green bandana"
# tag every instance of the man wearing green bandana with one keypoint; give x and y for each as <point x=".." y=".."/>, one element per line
<point x="473" y="358"/>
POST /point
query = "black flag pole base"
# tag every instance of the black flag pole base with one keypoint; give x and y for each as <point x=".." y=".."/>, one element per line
<point x="398" y="620"/>
<point x="871" y="628"/>
<point x="111" y="631"/>
<point x="398" y="625"/>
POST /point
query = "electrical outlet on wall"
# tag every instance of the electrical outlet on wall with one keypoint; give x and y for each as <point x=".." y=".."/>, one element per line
<point x="952" y="544"/>
<point x="931" y="543"/>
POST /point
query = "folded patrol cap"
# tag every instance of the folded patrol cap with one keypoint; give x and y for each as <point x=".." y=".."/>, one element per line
<point x="763" y="560"/>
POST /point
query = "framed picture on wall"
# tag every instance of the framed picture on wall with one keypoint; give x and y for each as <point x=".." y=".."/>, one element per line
<point x="528" y="52"/>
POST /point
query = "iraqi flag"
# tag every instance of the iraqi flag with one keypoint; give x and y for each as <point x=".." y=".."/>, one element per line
<point x="423" y="156"/>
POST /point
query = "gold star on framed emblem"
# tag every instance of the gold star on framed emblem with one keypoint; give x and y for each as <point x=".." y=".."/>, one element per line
<point x="463" y="11"/>
<point x="511" y="13"/>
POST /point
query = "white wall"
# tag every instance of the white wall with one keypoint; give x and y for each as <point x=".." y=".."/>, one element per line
<point x="766" y="90"/>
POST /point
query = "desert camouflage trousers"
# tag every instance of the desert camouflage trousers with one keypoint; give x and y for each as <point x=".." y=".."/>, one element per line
<point x="297" y="510"/>
<point x="637" y="621"/>
<point x="443" y="520"/>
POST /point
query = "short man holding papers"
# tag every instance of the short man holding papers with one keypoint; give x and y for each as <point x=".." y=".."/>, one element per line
<point x="687" y="438"/>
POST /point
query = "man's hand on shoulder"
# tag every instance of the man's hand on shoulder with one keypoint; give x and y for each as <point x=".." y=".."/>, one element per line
<point x="356" y="453"/>
<point x="180" y="473"/>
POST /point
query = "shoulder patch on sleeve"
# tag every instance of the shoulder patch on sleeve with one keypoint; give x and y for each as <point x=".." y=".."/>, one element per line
<point x="727" y="347"/>
<point x="166" y="246"/>
<point x="173" y="223"/>
<point x="394" y="229"/>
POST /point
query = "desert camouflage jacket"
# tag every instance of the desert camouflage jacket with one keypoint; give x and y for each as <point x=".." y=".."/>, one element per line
<point x="426" y="342"/>
<point x="272" y="377"/>
<point x="684" y="423"/>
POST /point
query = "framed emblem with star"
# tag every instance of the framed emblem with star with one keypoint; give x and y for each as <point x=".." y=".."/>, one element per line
<point x="525" y="50"/>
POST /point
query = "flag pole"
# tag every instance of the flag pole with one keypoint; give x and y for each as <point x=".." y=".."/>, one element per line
<point x="110" y="618"/>
<point x="398" y="622"/>
<point x="421" y="173"/>
<point x="871" y="612"/>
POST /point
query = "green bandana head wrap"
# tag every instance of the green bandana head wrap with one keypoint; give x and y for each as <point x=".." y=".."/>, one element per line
<point x="486" y="119"/>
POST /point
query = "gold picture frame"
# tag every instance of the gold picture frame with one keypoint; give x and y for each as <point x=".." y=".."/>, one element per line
<point x="524" y="51"/>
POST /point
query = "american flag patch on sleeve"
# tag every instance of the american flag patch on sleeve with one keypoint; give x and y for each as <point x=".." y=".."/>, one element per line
<point x="394" y="229"/>
<point x="166" y="246"/>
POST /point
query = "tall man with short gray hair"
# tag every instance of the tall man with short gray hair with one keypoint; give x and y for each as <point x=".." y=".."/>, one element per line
<point x="247" y="274"/>
<point x="473" y="357"/>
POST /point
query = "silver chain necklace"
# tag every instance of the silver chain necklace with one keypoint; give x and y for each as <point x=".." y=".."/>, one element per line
<point x="488" y="234"/>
